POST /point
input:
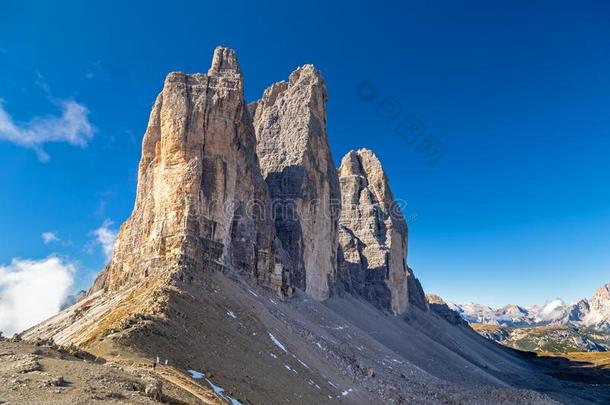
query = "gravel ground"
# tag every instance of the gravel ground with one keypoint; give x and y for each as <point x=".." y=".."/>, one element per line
<point x="223" y="334"/>
<point x="44" y="374"/>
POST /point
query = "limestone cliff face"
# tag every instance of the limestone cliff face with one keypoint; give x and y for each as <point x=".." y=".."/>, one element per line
<point x="373" y="237"/>
<point x="295" y="159"/>
<point x="201" y="203"/>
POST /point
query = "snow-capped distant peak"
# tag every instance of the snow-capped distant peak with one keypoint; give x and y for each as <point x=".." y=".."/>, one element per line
<point x="598" y="314"/>
<point x="593" y="312"/>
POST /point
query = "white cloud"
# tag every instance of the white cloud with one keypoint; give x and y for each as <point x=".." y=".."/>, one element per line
<point x="32" y="291"/>
<point x="49" y="237"/>
<point x="106" y="236"/>
<point x="72" y="126"/>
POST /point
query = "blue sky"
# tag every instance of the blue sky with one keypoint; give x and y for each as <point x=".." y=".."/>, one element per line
<point x="516" y="210"/>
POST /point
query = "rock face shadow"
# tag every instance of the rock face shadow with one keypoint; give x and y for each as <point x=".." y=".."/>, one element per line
<point x="358" y="279"/>
<point x="285" y="190"/>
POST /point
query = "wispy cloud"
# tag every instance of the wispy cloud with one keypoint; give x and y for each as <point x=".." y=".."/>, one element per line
<point x="49" y="237"/>
<point x="105" y="236"/>
<point x="44" y="86"/>
<point x="72" y="126"/>
<point x="32" y="291"/>
<point x="93" y="70"/>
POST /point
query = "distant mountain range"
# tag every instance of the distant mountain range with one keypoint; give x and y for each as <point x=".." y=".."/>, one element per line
<point x="586" y="313"/>
<point x="553" y="326"/>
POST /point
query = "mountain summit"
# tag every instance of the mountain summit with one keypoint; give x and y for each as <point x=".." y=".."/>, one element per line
<point x="373" y="237"/>
<point x="292" y="148"/>
<point x="198" y="178"/>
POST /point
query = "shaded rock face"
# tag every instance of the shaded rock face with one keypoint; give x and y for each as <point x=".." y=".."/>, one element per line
<point x="373" y="237"/>
<point x="579" y="311"/>
<point x="440" y="307"/>
<point x="415" y="292"/>
<point x="292" y="147"/>
<point x="201" y="202"/>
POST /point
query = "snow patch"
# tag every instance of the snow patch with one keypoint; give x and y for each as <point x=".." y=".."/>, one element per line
<point x="197" y="375"/>
<point x="287" y="367"/>
<point x="231" y="314"/>
<point x="277" y="342"/>
<point x="220" y="392"/>
<point x="313" y="384"/>
<point x="303" y="364"/>
<point x="336" y="327"/>
<point x="217" y="390"/>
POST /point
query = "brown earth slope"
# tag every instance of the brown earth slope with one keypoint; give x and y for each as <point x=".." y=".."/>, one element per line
<point x="262" y="350"/>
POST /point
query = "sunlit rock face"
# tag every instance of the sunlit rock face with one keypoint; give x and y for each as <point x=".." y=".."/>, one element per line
<point x="373" y="237"/>
<point x="295" y="159"/>
<point x="201" y="203"/>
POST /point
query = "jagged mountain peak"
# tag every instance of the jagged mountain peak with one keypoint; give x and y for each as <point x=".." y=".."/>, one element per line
<point x="373" y="237"/>
<point x="197" y="176"/>
<point x="602" y="295"/>
<point x="295" y="159"/>
<point x="224" y="63"/>
<point x="514" y="309"/>
<point x="365" y="164"/>
<point x="355" y="163"/>
<point x="307" y="74"/>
